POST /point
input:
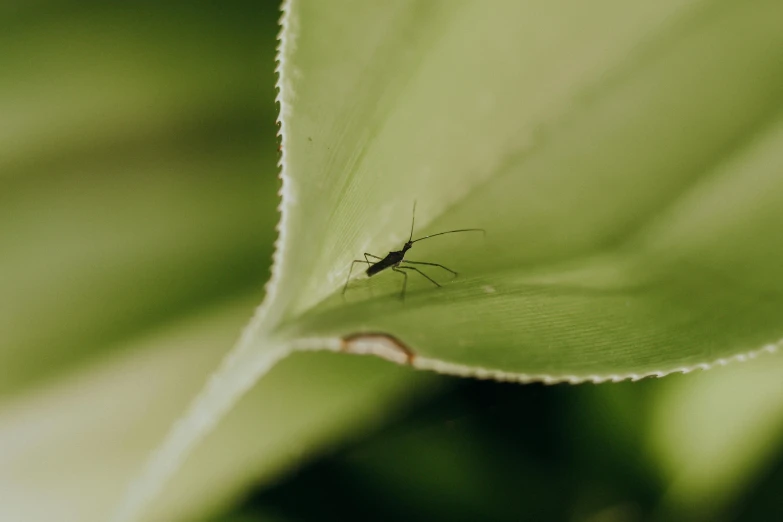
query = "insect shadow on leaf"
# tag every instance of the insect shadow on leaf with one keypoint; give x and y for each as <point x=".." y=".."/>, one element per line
<point x="397" y="262"/>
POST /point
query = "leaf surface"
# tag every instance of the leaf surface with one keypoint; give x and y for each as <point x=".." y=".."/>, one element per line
<point x="624" y="160"/>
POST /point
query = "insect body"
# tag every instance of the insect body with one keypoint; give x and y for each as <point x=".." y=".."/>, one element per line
<point x="392" y="259"/>
<point x="397" y="262"/>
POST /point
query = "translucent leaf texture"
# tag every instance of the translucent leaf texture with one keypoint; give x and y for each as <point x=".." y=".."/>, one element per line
<point x="624" y="158"/>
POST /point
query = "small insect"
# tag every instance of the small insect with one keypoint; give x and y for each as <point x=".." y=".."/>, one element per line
<point x="397" y="262"/>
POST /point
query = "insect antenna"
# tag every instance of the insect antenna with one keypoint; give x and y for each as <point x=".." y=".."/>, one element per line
<point x="451" y="232"/>
<point x="413" y="220"/>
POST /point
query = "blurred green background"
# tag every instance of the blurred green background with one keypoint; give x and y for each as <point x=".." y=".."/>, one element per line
<point x="137" y="162"/>
<point x="138" y="189"/>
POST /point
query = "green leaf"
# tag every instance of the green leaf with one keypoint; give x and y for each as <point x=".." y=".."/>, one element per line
<point x="624" y="159"/>
<point x="101" y="422"/>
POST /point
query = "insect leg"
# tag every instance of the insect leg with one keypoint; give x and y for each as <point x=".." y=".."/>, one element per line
<point x="430" y="264"/>
<point x="370" y="263"/>
<point x="404" y="282"/>
<point x="422" y="273"/>
<point x="348" y="279"/>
